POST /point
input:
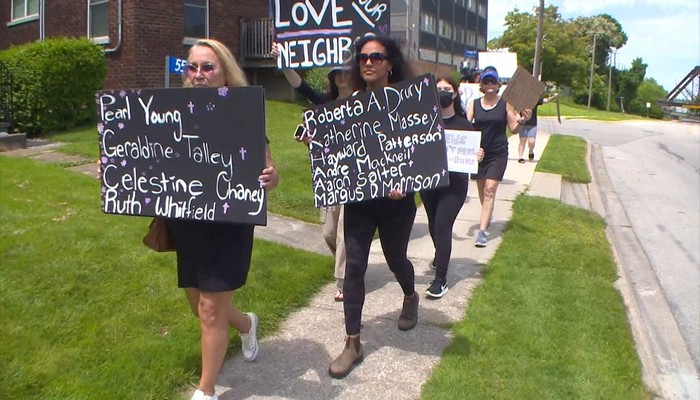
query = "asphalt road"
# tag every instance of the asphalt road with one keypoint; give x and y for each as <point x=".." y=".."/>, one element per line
<point x="654" y="167"/>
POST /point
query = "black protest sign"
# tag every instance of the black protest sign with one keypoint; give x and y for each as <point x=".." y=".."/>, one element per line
<point x="317" y="33"/>
<point x="366" y="145"/>
<point x="183" y="153"/>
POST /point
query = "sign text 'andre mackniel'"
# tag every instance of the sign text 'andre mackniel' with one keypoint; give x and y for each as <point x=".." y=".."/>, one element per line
<point x="366" y="145"/>
<point x="183" y="153"/>
<point x="316" y="33"/>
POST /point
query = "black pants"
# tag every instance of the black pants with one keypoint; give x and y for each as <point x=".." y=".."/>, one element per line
<point x="442" y="206"/>
<point x="394" y="219"/>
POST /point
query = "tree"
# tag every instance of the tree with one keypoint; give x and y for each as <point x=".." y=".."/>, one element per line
<point x="649" y="92"/>
<point x="629" y="82"/>
<point x="608" y="33"/>
<point x="563" y="50"/>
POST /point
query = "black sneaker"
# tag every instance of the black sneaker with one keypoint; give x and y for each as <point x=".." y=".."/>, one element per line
<point x="531" y="156"/>
<point x="437" y="288"/>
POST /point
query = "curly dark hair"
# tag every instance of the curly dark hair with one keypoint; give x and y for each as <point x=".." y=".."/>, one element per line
<point x="455" y="87"/>
<point x="401" y="70"/>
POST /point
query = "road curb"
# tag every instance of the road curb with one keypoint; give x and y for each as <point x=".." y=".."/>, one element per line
<point x="667" y="368"/>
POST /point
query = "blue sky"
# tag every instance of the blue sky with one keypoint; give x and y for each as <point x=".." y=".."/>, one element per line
<point x="665" y="34"/>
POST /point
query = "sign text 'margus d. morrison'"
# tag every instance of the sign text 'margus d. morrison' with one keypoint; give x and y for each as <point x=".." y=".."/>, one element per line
<point x="366" y="145"/>
<point x="183" y="153"/>
<point x="317" y="33"/>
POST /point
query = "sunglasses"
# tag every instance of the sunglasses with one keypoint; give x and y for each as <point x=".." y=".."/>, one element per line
<point x="376" y="58"/>
<point x="205" y="68"/>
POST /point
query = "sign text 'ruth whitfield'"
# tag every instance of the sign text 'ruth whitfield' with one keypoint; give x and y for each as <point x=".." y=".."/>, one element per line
<point x="183" y="153"/>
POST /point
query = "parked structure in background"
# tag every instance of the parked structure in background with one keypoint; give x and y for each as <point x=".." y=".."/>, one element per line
<point x="683" y="101"/>
<point x="137" y="35"/>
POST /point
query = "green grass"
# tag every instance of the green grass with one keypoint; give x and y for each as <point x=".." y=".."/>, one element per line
<point x="547" y="322"/>
<point x="87" y="312"/>
<point x="566" y="156"/>
<point x="292" y="197"/>
<point x="576" y="111"/>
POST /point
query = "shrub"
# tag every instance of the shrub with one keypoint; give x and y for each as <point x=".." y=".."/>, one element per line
<point x="54" y="82"/>
<point x="317" y="78"/>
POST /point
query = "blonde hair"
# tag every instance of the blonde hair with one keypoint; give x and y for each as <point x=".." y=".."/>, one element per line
<point x="233" y="73"/>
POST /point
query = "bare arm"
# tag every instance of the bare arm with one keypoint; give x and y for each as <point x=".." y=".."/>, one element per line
<point x="269" y="177"/>
<point x="550" y="98"/>
<point x="516" y="120"/>
<point x="292" y="77"/>
<point x="470" y="111"/>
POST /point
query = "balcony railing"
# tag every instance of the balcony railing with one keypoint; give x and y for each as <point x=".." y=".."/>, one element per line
<point x="257" y="36"/>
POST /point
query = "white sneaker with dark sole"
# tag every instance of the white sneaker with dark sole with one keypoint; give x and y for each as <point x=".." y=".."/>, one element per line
<point x="249" y="341"/>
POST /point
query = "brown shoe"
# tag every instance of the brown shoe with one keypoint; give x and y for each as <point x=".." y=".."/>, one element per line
<point x="352" y="355"/>
<point x="409" y="313"/>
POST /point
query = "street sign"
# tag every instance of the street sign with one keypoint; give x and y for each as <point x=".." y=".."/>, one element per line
<point x="173" y="65"/>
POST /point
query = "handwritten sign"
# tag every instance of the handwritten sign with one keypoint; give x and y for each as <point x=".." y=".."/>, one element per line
<point x="462" y="147"/>
<point x="366" y="145"/>
<point x="523" y="90"/>
<point x="183" y="153"/>
<point x="316" y="33"/>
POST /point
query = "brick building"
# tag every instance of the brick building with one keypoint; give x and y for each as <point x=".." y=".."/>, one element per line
<point x="137" y="35"/>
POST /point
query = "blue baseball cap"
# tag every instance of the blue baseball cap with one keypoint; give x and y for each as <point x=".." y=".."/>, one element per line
<point x="490" y="73"/>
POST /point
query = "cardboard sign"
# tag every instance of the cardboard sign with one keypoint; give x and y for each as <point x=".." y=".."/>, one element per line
<point x="183" y="153"/>
<point x="365" y="145"/>
<point x="462" y="147"/>
<point x="318" y="33"/>
<point x="523" y="90"/>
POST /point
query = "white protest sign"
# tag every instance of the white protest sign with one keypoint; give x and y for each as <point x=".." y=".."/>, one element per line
<point x="462" y="147"/>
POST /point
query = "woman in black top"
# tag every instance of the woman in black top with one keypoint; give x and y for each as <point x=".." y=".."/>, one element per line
<point x="340" y="85"/>
<point x="379" y="62"/>
<point x="442" y="205"/>
<point x="491" y="114"/>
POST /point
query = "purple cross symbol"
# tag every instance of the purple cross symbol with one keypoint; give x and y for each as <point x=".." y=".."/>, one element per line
<point x="434" y="108"/>
<point x="410" y="163"/>
<point x="443" y="172"/>
<point x="191" y="107"/>
<point x="243" y="151"/>
<point x="225" y="207"/>
<point x="426" y="81"/>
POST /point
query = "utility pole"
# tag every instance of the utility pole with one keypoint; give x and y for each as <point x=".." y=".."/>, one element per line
<point x="612" y="61"/>
<point x="590" y="81"/>
<point x="537" y="64"/>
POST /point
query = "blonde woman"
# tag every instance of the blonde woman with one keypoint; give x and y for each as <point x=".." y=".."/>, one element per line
<point x="213" y="258"/>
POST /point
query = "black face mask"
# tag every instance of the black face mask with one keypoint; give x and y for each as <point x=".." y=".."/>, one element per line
<point x="445" y="98"/>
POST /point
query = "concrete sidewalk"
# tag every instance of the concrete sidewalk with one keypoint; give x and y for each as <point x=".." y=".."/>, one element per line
<point x="293" y="363"/>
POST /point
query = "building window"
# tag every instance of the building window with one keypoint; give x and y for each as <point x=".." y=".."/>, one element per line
<point x="196" y="19"/>
<point x="471" y="39"/>
<point x="482" y="10"/>
<point x="98" y="18"/>
<point x="427" y="22"/>
<point x="24" y="8"/>
<point x="445" y="29"/>
<point x="481" y="44"/>
<point x="459" y="34"/>
<point x="471" y="5"/>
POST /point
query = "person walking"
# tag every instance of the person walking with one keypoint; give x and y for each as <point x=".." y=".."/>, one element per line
<point x="213" y="258"/>
<point x="528" y="133"/>
<point x="491" y="115"/>
<point x="379" y="62"/>
<point x="340" y="85"/>
<point x="443" y="204"/>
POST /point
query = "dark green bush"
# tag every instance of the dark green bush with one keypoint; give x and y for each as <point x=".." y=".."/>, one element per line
<point x="54" y="83"/>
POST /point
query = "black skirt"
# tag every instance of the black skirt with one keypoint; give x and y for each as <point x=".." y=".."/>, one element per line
<point x="211" y="256"/>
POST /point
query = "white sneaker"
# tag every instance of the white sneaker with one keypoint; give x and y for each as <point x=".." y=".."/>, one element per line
<point x="249" y="341"/>
<point x="199" y="395"/>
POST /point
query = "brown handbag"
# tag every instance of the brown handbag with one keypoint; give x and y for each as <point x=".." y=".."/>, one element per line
<point x="158" y="238"/>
